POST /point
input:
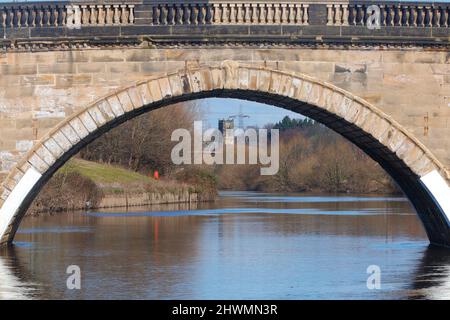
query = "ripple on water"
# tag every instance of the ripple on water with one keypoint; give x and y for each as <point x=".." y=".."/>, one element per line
<point x="215" y="212"/>
<point x="55" y="230"/>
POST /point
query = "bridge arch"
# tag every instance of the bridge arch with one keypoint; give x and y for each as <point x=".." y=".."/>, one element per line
<point x="419" y="174"/>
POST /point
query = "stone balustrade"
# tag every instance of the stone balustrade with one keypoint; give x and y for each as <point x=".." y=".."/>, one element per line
<point x="229" y="13"/>
<point x="391" y="14"/>
<point x="61" y="14"/>
<point x="75" y="14"/>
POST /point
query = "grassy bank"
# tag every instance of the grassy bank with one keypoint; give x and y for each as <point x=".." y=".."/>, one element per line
<point x="84" y="184"/>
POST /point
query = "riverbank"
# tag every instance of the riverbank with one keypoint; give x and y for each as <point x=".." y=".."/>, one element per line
<point x="82" y="184"/>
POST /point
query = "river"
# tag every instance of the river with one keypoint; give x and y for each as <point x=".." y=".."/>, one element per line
<point x="245" y="245"/>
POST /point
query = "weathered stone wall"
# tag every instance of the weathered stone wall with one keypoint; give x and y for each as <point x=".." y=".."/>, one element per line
<point x="40" y="89"/>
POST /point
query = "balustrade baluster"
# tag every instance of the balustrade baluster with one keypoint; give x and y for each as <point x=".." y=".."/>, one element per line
<point x="270" y="14"/>
<point x="407" y="15"/>
<point x="240" y="18"/>
<point x="19" y="17"/>
<point x="338" y="14"/>
<point x="25" y="14"/>
<point x="262" y="13"/>
<point x="351" y="15"/>
<point x="277" y="12"/>
<point x="429" y="17"/>
<point x="438" y="16"/>
<point x="399" y="10"/>
<point x="3" y="18"/>
<point x="124" y="14"/>
<point x="306" y="14"/>
<point x="446" y="13"/>
<point x="56" y="16"/>
<point x="177" y="14"/>
<point x="284" y="14"/>
<point x="170" y="15"/>
<point x="345" y="15"/>
<point x="131" y="15"/>
<point x="116" y="19"/>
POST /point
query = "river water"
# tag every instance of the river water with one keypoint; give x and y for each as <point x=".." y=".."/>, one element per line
<point x="243" y="246"/>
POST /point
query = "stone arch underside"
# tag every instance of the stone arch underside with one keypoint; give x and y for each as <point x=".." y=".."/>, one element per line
<point x="419" y="174"/>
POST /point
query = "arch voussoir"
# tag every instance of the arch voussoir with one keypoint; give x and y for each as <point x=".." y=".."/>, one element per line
<point x="134" y="96"/>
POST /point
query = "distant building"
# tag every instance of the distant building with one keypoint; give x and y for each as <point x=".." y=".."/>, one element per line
<point x="224" y="125"/>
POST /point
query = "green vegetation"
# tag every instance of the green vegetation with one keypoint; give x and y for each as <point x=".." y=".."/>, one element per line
<point x="83" y="184"/>
<point x="312" y="158"/>
<point x="105" y="174"/>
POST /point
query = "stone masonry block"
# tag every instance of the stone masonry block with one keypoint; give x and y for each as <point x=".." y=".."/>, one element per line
<point x="144" y="93"/>
<point x="115" y="105"/>
<point x="294" y="89"/>
<point x="97" y="115"/>
<point x="207" y="82"/>
<point x="4" y="193"/>
<point x="154" y="90"/>
<point x="264" y="80"/>
<point x="70" y="134"/>
<point x="46" y="155"/>
<point x="176" y="85"/>
<point x="243" y="78"/>
<point x="380" y="128"/>
<point x="16" y="175"/>
<point x="9" y="184"/>
<point x="396" y="140"/>
<point x="325" y="98"/>
<point x="135" y="97"/>
<point x="79" y="128"/>
<point x="196" y="81"/>
<point x="54" y="147"/>
<point x="164" y="85"/>
<point x="286" y="84"/>
<point x="422" y="166"/>
<point x="370" y="124"/>
<point x="186" y="83"/>
<point x="315" y="94"/>
<point x="305" y="92"/>
<point x="24" y="167"/>
<point x="411" y="155"/>
<point x="217" y="78"/>
<point x="125" y="101"/>
<point x="253" y="79"/>
<point x="352" y="111"/>
<point x="105" y="108"/>
<point x="37" y="163"/>
<point x="61" y="139"/>
<point x="362" y="116"/>
<point x="88" y="122"/>
<point x="57" y="68"/>
<point x="230" y="74"/>
<point x="275" y="80"/>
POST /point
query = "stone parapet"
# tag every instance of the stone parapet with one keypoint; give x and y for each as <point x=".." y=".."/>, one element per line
<point x="66" y="14"/>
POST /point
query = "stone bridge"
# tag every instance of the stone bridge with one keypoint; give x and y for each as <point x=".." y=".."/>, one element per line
<point x="70" y="71"/>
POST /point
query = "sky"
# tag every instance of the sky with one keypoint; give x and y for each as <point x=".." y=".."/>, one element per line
<point x="259" y="114"/>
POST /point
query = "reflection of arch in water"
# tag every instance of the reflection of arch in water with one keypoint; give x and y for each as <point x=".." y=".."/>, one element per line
<point x="13" y="284"/>
<point x="432" y="280"/>
<point x="421" y="176"/>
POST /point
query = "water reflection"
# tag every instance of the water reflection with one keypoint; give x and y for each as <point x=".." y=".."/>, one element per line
<point x="432" y="279"/>
<point x="13" y="280"/>
<point x="239" y="247"/>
